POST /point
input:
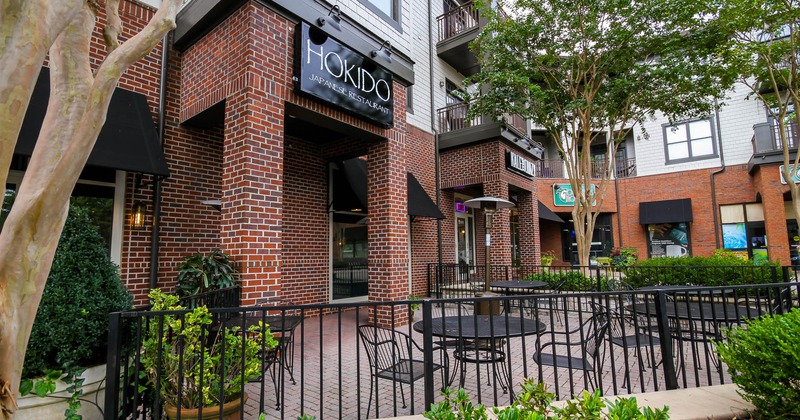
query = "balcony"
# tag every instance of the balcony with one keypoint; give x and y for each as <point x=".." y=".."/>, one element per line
<point x="456" y="29"/>
<point x="554" y="168"/>
<point x="457" y="130"/>
<point x="767" y="144"/>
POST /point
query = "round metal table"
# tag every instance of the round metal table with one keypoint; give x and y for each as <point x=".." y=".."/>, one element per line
<point x="480" y="338"/>
<point x="472" y="327"/>
<point x="518" y="284"/>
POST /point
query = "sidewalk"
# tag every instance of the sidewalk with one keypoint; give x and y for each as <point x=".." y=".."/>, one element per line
<point x="712" y="402"/>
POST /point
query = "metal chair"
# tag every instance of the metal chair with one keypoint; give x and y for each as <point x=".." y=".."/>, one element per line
<point x="390" y="355"/>
<point x="625" y="332"/>
<point x="283" y="313"/>
<point x="579" y="348"/>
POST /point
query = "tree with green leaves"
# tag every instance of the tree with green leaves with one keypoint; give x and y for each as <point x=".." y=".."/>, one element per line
<point x="765" y="46"/>
<point x="588" y="71"/>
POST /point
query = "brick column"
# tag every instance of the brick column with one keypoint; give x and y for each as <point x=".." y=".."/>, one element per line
<point x="252" y="189"/>
<point x="388" y="226"/>
<point x="500" y="252"/>
<point x="528" y="208"/>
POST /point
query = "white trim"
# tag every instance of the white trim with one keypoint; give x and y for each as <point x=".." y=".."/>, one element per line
<point x="118" y="216"/>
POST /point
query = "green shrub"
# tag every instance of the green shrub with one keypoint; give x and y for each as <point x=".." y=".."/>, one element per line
<point x="720" y="269"/>
<point x="573" y="280"/>
<point x="534" y="403"/>
<point x="83" y="287"/>
<point x="763" y="360"/>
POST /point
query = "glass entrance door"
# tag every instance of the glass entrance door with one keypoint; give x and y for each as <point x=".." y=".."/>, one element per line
<point x="465" y="243"/>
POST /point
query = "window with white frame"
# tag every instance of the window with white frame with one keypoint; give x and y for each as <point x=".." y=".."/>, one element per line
<point x="689" y="140"/>
<point x="387" y="9"/>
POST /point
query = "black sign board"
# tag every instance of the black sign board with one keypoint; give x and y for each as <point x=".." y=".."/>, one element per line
<point x="327" y="70"/>
<point x="519" y="164"/>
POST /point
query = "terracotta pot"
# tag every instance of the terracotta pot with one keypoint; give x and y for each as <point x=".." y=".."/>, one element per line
<point x="230" y="411"/>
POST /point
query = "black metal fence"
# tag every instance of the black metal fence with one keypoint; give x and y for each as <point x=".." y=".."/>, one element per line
<point x="619" y="341"/>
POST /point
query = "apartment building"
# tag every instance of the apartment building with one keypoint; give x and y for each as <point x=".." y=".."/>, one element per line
<point x="321" y="145"/>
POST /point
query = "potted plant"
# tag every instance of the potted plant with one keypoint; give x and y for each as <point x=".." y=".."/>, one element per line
<point x="199" y="273"/>
<point x="195" y="370"/>
<point x="548" y="257"/>
<point x="414" y="306"/>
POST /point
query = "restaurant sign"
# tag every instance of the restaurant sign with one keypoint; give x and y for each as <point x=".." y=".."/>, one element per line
<point x="327" y="70"/>
<point x="564" y="197"/>
<point x="520" y="165"/>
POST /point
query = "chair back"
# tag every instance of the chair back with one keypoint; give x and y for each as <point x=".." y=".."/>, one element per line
<point x="384" y="347"/>
<point x="594" y="332"/>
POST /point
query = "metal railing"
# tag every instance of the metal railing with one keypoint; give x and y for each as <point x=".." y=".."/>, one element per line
<point x="671" y="345"/>
<point x="554" y="168"/>
<point x="766" y="137"/>
<point x="457" y="21"/>
<point x="350" y="281"/>
<point x="454" y="117"/>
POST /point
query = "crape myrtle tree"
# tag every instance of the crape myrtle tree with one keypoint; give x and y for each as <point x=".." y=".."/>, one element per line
<point x="60" y="30"/>
<point x="588" y="71"/>
<point x="765" y="47"/>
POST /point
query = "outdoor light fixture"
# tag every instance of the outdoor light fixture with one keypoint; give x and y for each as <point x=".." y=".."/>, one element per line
<point x="216" y="204"/>
<point x="489" y="205"/>
<point x="333" y="19"/>
<point x="384" y="51"/>
<point x="138" y="214"/>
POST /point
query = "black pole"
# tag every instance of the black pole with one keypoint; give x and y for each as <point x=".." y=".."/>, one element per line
<point x="427" y="351"/>
<point x="665" y="341"/>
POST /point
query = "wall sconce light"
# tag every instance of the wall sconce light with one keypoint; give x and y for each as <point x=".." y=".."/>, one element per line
<point x="138" y="214"/>
<point x="441" y="83"/>
<point x="385" y="51"/>
<point x="333" y="19"/>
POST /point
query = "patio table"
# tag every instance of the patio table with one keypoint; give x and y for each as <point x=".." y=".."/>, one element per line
<point x="480" y="338"/>
<point x="515" y="287"/>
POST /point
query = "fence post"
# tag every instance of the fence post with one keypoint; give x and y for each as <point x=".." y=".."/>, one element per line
<point x="113" y="355"/>
<point x="785" y="272"/>
<point x="427" y="351"/>
<point x="665" y="341"/>
<point x="774" y="274"/>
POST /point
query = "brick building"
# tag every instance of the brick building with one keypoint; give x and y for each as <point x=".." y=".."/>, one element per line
<point x="324" y="148"/>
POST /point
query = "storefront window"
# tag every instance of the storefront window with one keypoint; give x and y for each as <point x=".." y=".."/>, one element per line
<point x="743" y="231"/>
<point x="668" y="240"/>
<point x="94" y="193"/>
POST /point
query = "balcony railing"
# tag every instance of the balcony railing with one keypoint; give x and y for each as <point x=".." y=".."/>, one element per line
<point x="457" y="21"/>
<point x="454" y="117"/>
<point x="766" y="137"/>
<point x="554" y="168"/>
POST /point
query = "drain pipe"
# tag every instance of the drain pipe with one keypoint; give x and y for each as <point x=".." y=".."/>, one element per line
<point x="713" y="174"/>
<point x="436" y="137"/>
<point x="162" y="98"/>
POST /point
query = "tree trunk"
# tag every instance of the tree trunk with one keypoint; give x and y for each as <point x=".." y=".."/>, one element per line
<point x="76" y="112"/>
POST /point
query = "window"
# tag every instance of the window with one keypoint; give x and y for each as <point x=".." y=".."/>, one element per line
<point x="690" y="140"/>
<point x="410" y="100"/>
<point x="387" y="9"/>
<point x="743" y="230"/>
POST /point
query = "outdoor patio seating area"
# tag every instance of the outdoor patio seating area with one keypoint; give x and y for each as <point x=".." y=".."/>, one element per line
<point x="621" y="342"/>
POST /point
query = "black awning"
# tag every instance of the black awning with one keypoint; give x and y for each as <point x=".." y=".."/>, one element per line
<point x="667" y="211"/>
<point x="419" y="203"/>
<point x="128" y="141"/>
<point x="547" y="214"/>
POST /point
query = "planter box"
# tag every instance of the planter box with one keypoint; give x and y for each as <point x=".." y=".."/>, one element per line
<point x="33" y="407"/>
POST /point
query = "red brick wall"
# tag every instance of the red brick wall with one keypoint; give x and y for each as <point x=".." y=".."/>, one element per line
<point x="482" y="167"/>
<point x="424" y="239"/>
